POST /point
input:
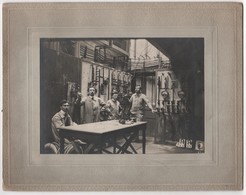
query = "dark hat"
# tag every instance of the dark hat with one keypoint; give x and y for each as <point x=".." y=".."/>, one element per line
<point x="63" y="102"/>
<point x="114" y="92"/>
<point x="181" y="93"/>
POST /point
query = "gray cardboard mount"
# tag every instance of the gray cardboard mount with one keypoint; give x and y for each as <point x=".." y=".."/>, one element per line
<point x="219" y="168"/>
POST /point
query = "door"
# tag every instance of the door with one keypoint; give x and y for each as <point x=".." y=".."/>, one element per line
<point x="59" y="74"/>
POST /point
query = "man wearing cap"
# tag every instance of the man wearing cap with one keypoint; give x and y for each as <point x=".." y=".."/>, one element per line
<point x="114" y="106"/>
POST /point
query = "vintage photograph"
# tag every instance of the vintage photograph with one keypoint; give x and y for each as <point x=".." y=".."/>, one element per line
<point x="121" y="95"/>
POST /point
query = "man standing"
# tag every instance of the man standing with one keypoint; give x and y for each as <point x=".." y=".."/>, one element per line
<point x="91" y="106"/>
<point x="114" y="106"/>
<point x="138" y="101"/>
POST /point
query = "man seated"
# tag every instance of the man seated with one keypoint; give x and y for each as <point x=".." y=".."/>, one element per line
<point x="60" y="119"/>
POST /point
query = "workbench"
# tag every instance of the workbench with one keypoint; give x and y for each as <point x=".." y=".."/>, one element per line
<point x="101" y="134"/>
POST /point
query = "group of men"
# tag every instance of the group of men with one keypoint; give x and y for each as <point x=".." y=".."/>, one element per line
<point x="91" y="109"/>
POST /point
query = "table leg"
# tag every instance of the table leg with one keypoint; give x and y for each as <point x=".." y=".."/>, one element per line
<point x="100" y="148"/>
<point x="130" y="145"/>
<point x="61" y="143"/>
<point x="114" y="144"/>
<point x="123" y="149"/>
<point x="144" y="139"/>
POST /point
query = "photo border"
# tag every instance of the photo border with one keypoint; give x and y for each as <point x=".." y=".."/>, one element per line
<point x="8" y="72"/>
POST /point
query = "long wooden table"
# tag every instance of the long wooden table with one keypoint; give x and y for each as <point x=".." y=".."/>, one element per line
<point x="101" y="134"/>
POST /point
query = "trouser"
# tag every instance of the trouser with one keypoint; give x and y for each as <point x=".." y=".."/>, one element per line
<point x="137" y="117"/>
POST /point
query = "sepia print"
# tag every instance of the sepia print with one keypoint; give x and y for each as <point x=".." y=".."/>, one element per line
<point x="122" y="96"/>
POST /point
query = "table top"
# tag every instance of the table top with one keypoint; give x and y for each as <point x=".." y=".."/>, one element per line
<point x="101" y="127"/>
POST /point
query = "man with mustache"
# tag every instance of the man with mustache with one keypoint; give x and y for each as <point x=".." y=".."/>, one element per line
<point x="138" y="101"/>
<point x="114" y="106"/>
<point x="91" y="106"/>
<point x="61" y="118"/>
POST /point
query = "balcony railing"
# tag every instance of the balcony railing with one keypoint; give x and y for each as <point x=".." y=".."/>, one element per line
<point x="149" y="64"/>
